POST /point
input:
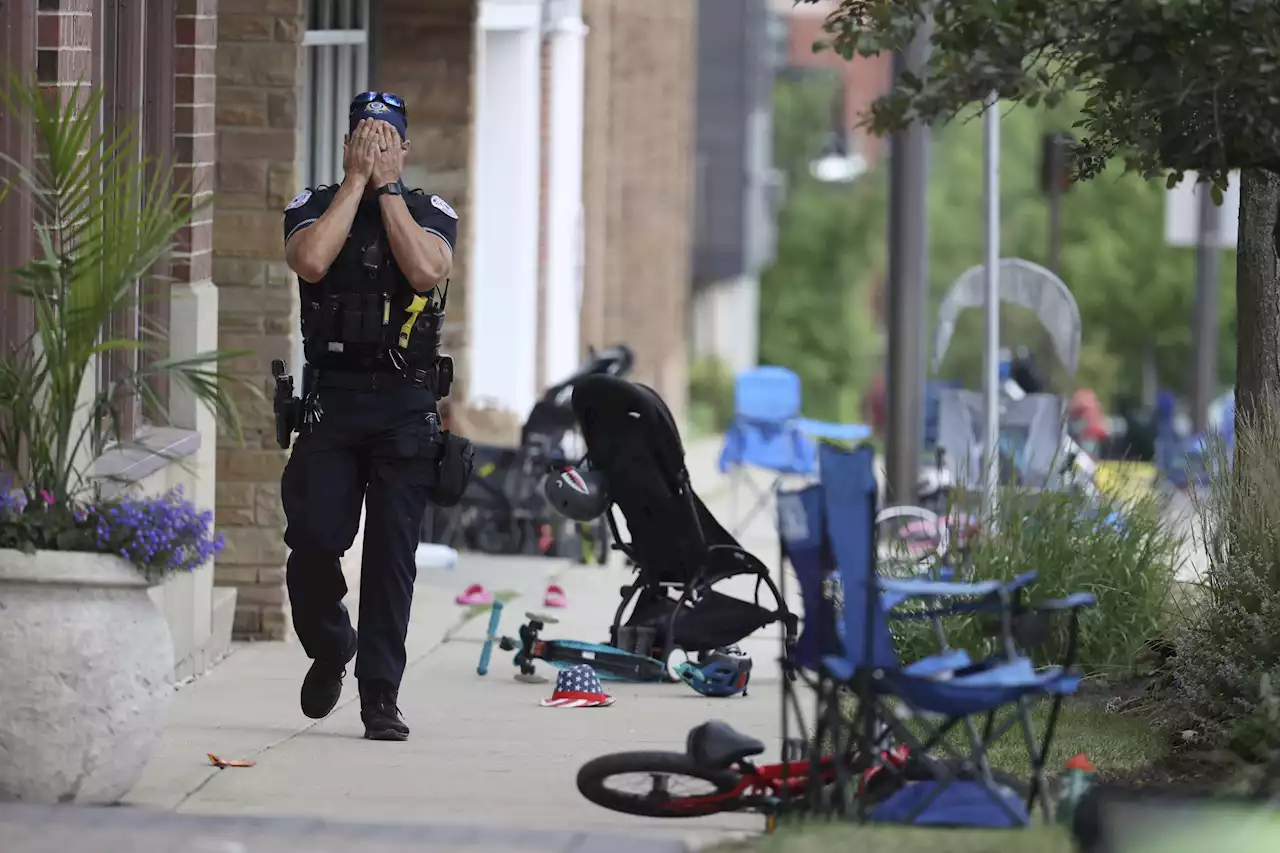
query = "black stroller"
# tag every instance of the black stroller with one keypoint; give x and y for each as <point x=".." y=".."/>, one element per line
<point x="678" y="548"/>
<point x="503" y="511"/>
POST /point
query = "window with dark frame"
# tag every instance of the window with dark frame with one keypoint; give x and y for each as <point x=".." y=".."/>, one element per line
<point x="18" y="45"/>
<point x="136" y="76"/>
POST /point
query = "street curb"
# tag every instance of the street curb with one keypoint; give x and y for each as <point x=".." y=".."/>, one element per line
<point x="86" y="829"/>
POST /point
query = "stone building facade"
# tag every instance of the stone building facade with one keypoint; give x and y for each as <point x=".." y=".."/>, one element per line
<point x="258" y="68"/>
<point x="638" y="185"/>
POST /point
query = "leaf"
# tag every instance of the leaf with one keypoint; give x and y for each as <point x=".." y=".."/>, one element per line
<point x="1216" y="194"/>
<point x="228" y="762"/>
<point x="1172" y="180"/>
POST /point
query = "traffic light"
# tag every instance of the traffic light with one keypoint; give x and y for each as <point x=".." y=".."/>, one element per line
<point x="1055" y="162"/>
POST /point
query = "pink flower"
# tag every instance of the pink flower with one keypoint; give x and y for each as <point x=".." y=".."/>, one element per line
<point x="46" y="497"/>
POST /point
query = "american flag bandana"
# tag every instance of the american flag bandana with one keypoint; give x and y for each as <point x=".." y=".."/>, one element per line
<point x="578" y="687"/>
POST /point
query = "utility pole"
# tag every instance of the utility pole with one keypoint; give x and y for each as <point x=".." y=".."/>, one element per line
<point x="1055" y="178"/>
<point x="991" y="305"/>
<point x="907" y="290"/>
<point x="1204" y="323"/>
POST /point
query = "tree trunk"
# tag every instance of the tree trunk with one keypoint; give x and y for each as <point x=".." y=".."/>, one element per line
<point x="1257" y="294"/>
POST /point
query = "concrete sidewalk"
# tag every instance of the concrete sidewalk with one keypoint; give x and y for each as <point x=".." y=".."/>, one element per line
<point x="484" y="756"/>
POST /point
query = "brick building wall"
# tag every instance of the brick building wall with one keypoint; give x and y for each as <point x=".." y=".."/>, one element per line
<point x="258" y="77"/>
<point x="638" y="184"/>
<point x="18" y="41"/>
<point x="64" y="43"/>
<point x="196" y="39"/>
<point x="423" y="51"/>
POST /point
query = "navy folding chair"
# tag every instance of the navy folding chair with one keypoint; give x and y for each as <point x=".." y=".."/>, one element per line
<point x="961" y="790"/>
<point x="805" y="546"/>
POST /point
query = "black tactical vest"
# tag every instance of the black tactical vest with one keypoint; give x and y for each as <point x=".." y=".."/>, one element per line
<point x="364" y="316"/>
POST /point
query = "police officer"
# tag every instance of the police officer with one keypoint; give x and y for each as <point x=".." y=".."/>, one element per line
<point x="372" y="259"/>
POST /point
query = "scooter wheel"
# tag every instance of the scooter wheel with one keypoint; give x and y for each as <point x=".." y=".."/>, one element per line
<point x="672" y="659"/>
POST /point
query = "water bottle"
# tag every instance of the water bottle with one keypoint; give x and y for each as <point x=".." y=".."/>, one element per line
<point x="1076" y="782"/>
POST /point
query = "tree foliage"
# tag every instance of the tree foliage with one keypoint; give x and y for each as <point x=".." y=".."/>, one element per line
<point x="1170" y="84"/>
<point x="814" y="299"/>
<point x="1136" y="295"/>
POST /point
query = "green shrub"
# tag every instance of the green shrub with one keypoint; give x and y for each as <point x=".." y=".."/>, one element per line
<point x="1227" y="650"/>
<point x="710" y="394"/>
<point x="1130" y="568"/>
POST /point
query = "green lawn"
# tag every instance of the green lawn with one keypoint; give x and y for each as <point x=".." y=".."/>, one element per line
<point x="1113" y="742"/>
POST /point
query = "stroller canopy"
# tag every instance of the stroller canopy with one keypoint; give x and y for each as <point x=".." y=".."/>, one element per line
<point x="1021" y="283"/>
<point x="632" y="438"/>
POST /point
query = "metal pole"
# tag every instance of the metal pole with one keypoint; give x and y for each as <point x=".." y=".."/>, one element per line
<point x="907" y="287"/>
<point x="1204" y="322"/>
<point x="1055" y="230"/>
<point x="991" y="308"/>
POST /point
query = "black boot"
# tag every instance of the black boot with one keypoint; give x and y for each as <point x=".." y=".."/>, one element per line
<point x="379" y="713"/>
<point x="322" y="687"/>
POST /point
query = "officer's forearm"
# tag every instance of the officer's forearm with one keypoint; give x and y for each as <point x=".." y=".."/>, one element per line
<point x="313" y="250"/>
<point x="419" y="254"/>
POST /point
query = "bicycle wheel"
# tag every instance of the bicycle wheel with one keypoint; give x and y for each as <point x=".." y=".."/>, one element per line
<point x="677" y="786"/>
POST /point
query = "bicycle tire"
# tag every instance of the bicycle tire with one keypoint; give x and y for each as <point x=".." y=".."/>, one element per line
<point x="593" y="775"/>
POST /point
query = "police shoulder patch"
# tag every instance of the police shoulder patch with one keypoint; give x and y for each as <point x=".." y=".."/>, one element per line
<point x="442" y="205"/>
<point x="299" y="200"/>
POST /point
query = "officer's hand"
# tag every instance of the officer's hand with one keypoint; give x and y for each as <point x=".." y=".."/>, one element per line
<point x="360" y="151"/>
<point x="390" y="156"/>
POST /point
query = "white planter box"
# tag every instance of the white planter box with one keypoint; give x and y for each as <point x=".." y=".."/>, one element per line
<point x="86" y="664"/>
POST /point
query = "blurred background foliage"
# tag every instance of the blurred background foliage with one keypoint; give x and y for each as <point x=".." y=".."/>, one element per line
<point x="817" y="302"/>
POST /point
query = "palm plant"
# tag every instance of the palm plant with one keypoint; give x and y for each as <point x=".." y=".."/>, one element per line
<point x="104" y="218"/>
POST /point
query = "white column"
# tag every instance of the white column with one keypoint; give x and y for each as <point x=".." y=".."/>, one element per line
<point x="567" y="35"/>
<point x="503" y="311"/>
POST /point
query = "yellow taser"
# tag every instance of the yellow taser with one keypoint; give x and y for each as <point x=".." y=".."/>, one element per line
<point x="415" y="307"/>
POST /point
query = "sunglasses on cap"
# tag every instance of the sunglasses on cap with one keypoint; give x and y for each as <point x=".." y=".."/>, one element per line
<point x="393" y="101"/>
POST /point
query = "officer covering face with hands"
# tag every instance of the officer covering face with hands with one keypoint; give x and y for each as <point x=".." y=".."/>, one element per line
<point x="372" y="260"/>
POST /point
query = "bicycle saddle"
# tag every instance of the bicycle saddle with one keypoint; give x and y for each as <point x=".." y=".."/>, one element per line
<point x="716" y="744"/>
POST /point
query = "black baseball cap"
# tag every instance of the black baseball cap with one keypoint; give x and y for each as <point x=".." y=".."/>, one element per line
<point x="382" y="106"/>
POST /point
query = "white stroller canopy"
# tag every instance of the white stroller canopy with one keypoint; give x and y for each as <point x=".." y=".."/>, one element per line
<point x="1021" y="283"/>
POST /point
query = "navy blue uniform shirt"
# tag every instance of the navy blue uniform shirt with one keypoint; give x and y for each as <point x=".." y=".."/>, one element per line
<point x="430" y="211"/>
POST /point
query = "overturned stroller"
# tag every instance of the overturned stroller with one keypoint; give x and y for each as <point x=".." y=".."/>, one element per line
<point x="635" y="464"/>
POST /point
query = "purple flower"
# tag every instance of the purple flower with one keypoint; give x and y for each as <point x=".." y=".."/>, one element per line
<point x="47" y="497"/>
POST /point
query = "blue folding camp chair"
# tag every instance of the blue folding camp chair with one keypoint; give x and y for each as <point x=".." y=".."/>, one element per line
<point x="764" y="434"/>
<point x="828" y="532"/>
<point x="767" y="432"/>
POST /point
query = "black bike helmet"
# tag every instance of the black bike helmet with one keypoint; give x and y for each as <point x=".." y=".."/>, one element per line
<point x="576" y="494"/>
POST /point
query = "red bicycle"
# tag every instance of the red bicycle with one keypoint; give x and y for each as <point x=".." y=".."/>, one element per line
<point x="714" y="775"/>
<point x="711" y="776"/>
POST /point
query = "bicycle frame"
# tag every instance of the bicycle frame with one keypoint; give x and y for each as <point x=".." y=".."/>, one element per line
<point x="769" y="787"/>
<point x="764" y="788"/>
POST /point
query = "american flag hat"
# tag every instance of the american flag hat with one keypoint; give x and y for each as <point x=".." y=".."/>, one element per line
<point x="578" y="687"/>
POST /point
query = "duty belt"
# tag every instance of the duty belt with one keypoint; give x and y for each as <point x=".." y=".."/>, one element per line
<point x="343" y="380"/>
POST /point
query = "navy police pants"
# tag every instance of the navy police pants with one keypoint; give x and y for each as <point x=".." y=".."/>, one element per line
<point x="370" y="448"/>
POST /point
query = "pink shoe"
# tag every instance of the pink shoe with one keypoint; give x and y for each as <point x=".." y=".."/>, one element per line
<point x="474" y="595"/>
<point x="554" y="597"/>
